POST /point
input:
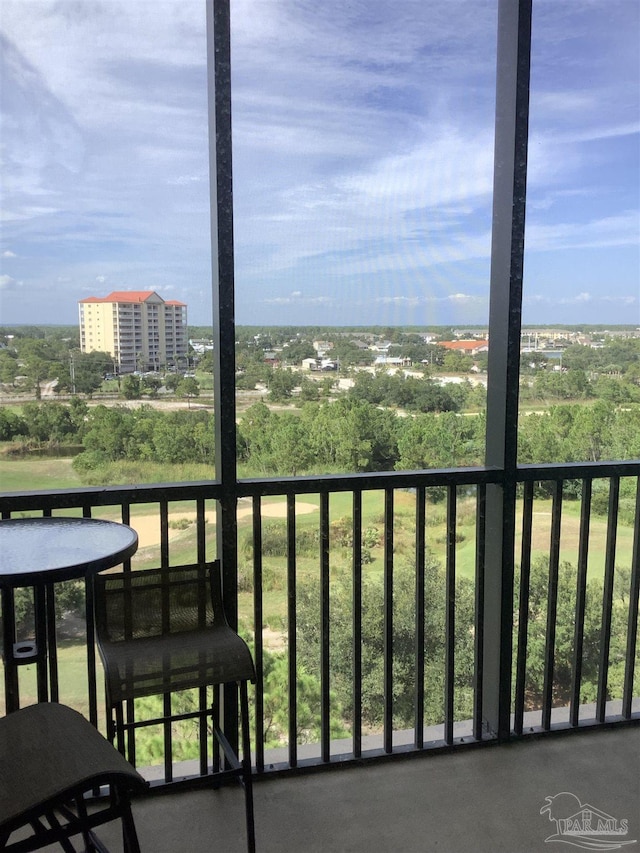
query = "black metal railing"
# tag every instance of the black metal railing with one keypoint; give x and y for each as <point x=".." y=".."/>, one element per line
<point x="376" y="641"/>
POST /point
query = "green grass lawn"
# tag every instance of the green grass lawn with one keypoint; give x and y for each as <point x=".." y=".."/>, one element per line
<point x="72" y="672"/>
<point x="19" y="475"/>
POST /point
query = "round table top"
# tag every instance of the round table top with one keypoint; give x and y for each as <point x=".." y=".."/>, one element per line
<point x="44" y="550"/>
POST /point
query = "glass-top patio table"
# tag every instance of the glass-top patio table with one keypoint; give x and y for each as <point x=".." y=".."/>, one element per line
<point x="37" y="553"/>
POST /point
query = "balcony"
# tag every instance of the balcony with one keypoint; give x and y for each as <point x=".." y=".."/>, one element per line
<point x="453" y="804"/>
<point x="461" y="684"/>
<point x="449" y="711"/>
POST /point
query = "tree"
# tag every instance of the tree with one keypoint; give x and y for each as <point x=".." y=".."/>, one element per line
<point x="351" y="435"/>
<point x="171" y="381"/>
<point x="564" y="640"/>
<point x="188" y="387"/>
<point x="150" y="385"/>
<point x="131" y="388"/>
<point x="109" y="431"/>
<point x="308" y="708"/>
<point x="79" y="414"/>
<point x="457" y="362"/>
<point x="440" y="441"/>
<point x="8" y="367"/>
<point x="296" y="351"/>
<point x="41" y="360"/>
<point x="309" y="619"/>
<point x="48" y="422"/>
<point x="290" y="452"/>
<point x="206" y="362"/>
<point x="86" y="372"/>
<point x="309" y="390"/>
<point x="254" y="437"/>
<point x="11" y="425"/>
<point x="183" y="437"/>
<point x="281" y="384"/>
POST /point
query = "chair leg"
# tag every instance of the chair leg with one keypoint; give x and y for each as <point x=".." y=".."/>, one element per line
<point x="246" y="767"/>
<point x="216" y="717"/>
<point x="129" y="835"/>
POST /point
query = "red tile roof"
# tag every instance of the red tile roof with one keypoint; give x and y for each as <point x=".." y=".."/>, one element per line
<point x="130" y="296"/>
<point x="463" y="345"/>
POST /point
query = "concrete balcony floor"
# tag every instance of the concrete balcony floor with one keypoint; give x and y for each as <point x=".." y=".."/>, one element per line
<point x="475" y="800"/>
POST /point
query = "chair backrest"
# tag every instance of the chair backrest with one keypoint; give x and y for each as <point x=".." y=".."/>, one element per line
<point x="158" y="602"/>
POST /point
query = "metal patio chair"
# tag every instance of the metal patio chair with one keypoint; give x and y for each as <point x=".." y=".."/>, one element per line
<point x="50" y="757"/>
<point x="160" y="631"/>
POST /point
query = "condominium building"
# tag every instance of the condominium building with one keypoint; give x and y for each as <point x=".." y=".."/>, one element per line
<point x="139" y="329"/>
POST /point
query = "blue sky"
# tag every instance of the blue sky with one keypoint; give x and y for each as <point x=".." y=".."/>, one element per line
<point x="363" y="159"/>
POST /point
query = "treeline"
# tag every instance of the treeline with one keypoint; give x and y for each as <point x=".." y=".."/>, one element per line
<point x="575" y="384"/>
<point x="113" y="433"/>
<point x="346" y="435"/>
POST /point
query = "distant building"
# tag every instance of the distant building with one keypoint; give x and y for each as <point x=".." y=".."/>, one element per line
<point x="319" y="364"/>
<point x="391" y="361"/>
<point x="322" y="347"/>
<point x="201" y="345"/>
<point x="139" y="329"/>
<point x="468" y="347"/>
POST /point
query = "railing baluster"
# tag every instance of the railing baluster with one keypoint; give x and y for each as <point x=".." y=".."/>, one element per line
<point x="164" y="534"/>
<point x="388" y="620"/>
<point x="607" y="598"/>
<point x="292" y="627"/>
<point x="201" y="558"/>
<point x="552" y="604"/>
<point x="130" y="707"/>
<point x="420" y="615"/>
<point x="581" y="596"/>
<point x="450" y="617"/>
<point x="201" y="531"/>
<point x="523" y="607"/>
<point x="325" y="708"/>
<point x="357" y="624"/>
<point x="258" y="619"/>
<point x="632" y="622"/>
<point x="481" y="527"/>
<point x="11" y="682"/>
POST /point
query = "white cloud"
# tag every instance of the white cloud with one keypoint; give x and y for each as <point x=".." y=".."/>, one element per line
<point x="185" y="180"/>
<point x="428" y="298"/>
<point x="579" y="299"/>
<point x="620" y="230"/>
<point x="621" y="300"/>
<point x="9" y="254"/>
<point x="299" y="300"/>
<point x="6" y="282"/>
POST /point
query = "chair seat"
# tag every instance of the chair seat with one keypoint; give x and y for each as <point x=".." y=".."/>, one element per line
<point x="50" y="754"/>
<point x="148" y="666"/>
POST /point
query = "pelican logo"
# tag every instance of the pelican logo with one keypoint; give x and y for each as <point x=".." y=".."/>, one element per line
<point x="583" y="825"/>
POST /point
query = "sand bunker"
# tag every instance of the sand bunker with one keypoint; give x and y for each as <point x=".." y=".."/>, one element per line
<point x="148" y="526"/>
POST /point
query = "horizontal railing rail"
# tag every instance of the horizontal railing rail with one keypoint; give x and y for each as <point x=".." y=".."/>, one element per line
<point x="363" y="597"/>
